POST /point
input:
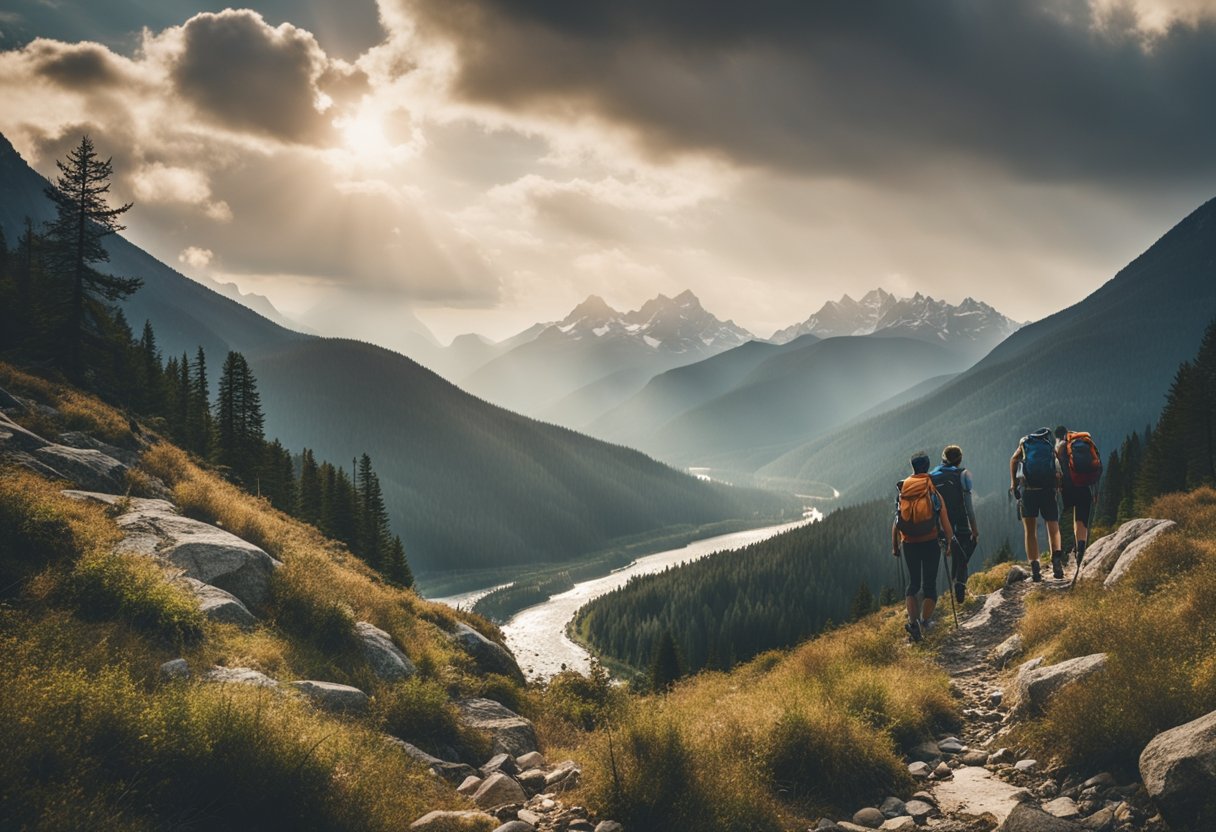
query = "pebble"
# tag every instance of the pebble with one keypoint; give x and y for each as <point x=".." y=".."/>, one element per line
<point x="869" y="817"/>
<point x="900" y="824"/>
<point x="943" y="771"/>
<point x="892" y="807"/>
<point x="919" y="770"/>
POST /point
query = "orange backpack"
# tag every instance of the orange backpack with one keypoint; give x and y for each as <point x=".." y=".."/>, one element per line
<point x="919" y="504"/>
<point x="1084" y="461"/>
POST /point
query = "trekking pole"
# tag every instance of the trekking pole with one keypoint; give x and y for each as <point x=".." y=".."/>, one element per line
<point x="950" y="581"/>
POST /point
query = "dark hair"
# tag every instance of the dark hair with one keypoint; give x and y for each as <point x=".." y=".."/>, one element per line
<point x="920" y="462"/>
<point x="952" y="455"/>
<point x="1061" y="432"/>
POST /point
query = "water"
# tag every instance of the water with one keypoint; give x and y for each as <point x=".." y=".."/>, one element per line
<point x="537" y="635"/>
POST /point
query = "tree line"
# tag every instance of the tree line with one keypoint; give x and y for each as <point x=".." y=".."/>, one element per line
<point x="59" y="315"/>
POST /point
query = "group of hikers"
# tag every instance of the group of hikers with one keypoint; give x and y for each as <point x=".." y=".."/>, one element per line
<point x="935" y="513"/>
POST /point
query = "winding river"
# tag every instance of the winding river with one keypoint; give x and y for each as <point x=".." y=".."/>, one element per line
<point x="537" y="635"/>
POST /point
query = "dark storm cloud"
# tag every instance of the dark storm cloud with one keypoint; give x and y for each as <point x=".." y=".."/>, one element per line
<point x="78" y="66"/>
<point x="1044" y="89"/>
<point x="247" y="76"/>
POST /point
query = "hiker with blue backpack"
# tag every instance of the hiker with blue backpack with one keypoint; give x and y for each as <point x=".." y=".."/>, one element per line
<point x="1081" y="468"/>
<point x="1034" y="478"/>
<point x="921" y="518"/>
<point x="954" y="484"/>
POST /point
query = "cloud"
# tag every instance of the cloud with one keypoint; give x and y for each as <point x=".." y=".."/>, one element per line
<point x="195" y="257"/>
<point x="1045" y="89"/>
<point x="162" y="184"/>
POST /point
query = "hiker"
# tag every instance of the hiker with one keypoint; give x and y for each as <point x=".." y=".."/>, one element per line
<point x="953" y="483"/>
<point x="920" y="519"/>
<point x="1034" y="476"/>
<point x="1081" y="467"/>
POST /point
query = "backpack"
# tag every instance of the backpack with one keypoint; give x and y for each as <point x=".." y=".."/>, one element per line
<point x="919" y="504"/>
<point x="1039" y="460"/>
<point x="1084" y="460"/>
<point x="948" y="480"/>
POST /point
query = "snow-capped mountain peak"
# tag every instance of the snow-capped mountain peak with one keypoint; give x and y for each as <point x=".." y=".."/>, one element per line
<point x="679" y="324"/>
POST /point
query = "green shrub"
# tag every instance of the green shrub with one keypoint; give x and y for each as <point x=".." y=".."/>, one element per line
<point x="112" y="585"/>
<point x="419" y="712"/>
<point x="582" y="701"/>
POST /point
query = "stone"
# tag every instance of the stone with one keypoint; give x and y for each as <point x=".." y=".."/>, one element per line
<point x="1026" y="765"/>
<point x="991" y="604"/>
<point x="528" y="816"/>
<point x="919" y="810"/>
<point x="499" y="762"/>
<point x="1062" y="807"/>
<point x="925" y="752"/>
<point x="386" y="659"/>
<point x="533" y="780"/>
<point x="977" y="791"/>
<point x="892" y="807"/>
<point x="332" y="696"/>
<point x="448" y="821"/>
<point x="951" y="746"/>
<point x="975" y="758"/>
<point x="489" y="656"/>
<point x="1000" y="756"/>
<point x="10" y="402"/>
<point x="85" y="442"/>
<point x="1178" y="768"/>
<point x="609" y="826"/>
<point x="566" y="774"/>
<point x="498" y="789"/>
<point x="1015" y="575"/>
<point x="1103" y="553"/>
<point x="218" y="605"/>
<point x="1008" y="649"/>
<point x="87" y="468"/>
<point x="995" y="698"/>
<point x="1100" y="821"/>
<point x="469" y="785"/>
<point x="900" y="824"/>
<point x="174" y="670"/>
<point x="1026" y="817"/>
<point x="925" y="797"/>
<point x="868" y="817"/>
<point x="533" y="759"/>
<point x="1104" y="780"/>
<point x="515" y="826"/>
<point x="450" y="771"/>
<point x="239" y="676"/>
<point x="920" y="771"/>
<point x="510" y="733"/>
<point x="943" y="771"/>
<point x="1133" y="551"/>
<point x="848" y="826"/>
<point x="1035" y="685"/>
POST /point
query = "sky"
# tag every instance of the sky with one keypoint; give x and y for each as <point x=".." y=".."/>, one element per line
<point x="479" y="165"/>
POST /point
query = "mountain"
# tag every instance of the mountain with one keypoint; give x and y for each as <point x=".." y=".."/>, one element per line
<point x="792" y="393"/>
<point x="1102" y="365"/>
<point x="971" y="326"/>
<point x="543" y="376"/>
<point x="468" y="484"/>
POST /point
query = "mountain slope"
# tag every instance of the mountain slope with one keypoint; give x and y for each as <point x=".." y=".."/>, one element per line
<point x="467" y="484"/>
<point x="1101" y="365"/>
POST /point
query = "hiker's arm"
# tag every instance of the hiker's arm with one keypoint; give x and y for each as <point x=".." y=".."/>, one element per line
<point x="895" y="537"/>
<point x="969" y="504"/>
<point x="946" y="527"/>
<point x="1013" y="467"/>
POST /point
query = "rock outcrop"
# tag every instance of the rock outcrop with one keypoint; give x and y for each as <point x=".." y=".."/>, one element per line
<point x="386" y="659"/>
<point x="510" y="733"/>
<point x="333" y="697"/>
<point x="1104" y="553"/>
<point x="1134" y="549"/>
<point x="1027" y="817"/>
<point x="454" y="773"/>
<point x="489" y="656"/>
<point x="1035" y="682"/>
<point x="497" y="789"/>
<point x="239" y="676"/>
<point x="219" y="605"/>
<point x="87" y="468"/>
<point x="451" y="821"/>
<point x="1179" y="771"/>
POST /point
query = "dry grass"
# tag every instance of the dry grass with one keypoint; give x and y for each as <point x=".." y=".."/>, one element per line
<point x="982" y="583"/>
<point x="1167" y="598"/>
<point x="78" y="411"/>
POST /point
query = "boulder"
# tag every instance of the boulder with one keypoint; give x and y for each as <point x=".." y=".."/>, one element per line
<point x="452" y="772"/>
<point x="975" y="758"/>
<point x="869" y="817"/>
<point x="88" y="468"/>
<point x="239" y="676"/>
<point x="1036" y="684"/>
<point x="510" y="733"/>
<point x="892" y="807"/>
<point x="1103" y="553"/>
<point x="1178" y="767"/>
<point x="951" y="746"/>
<point x="449" y="821"/>
<point x="85" y="442"/>
<point x="1016" y="574"/>
<point x="1025" y="765"/>
<point x="901" y="824"/>
<point x="386" y="659"/>
<point x="10" y="402"/>
<point x="499" y="762"/>
<point x="1134" y="549"/>
<point x="174" y="670"/>
<point x="566" y="774"/>
<point x="919" y="770"/>
<point x="919" y="810"/>
<point x="533" y="759"/>
<point x="1027" y="817"/>
<point x="925" y="752"/>
<point x="991" y="604"/>
<point x="515" y="826"/>
<point x="533" y="780"/>
<point x="489" y="656"/>
<point x="469" y="785"/>
<point x="219" y="605"/>
<point x="13" y="437"/>
<point x="1005" y="651"/>
<point x="609" y="826"/>
<point x="332" y="696"/>
<point x="943" y="771"/>
<point x="1101" y="820"/>
<point x="1062" y="807"/>
<point x="498" y="789"/>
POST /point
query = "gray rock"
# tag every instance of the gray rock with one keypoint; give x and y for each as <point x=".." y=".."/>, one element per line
<point x="10" y="402"/>
<point x="1000" y="756"/>
<point x="892" y="807"/>
<point x="174" y="669"/>
<point x="1062" y="807"/>
<point x="919" y="770"/>
<point x="1006" y="650"/>
<point x="1027" y="817"/>
<point x="609" y="826"/>
<point x="85" y="442"/>
<point x="13" y="437"/>
<point x="333" y="697"/>
<point x="991" y="604"/>
<point x="533" y="759"/>
<point x="975" y="758"/>
<point x="515" y="826"/>
<point x="868" y="817"/>
<point x="901" y="824"/>
<point x="566" y="775"/>
<point x="951" y="746"/>
<point x="239" y="676"/>
<point x="489" y="656"/>
<point x="528" y="816"/>
<point x="1100" y="821"/>
<point x="1035" y="685"/>
<point x="1103" y="781"/>
<point x="88" y="468"/>
<point x="1026" y="765"/>
<point x="448" y="821"/>
<point x="219" y="605"/>
<point x="1178" y="768"/>
<point x="533" y="780"/>
<point x="920" y="810"/>
<point x="469" y="785"/>
<point x="925" y="752"/>
<point x="943" y="771"/>
<point x="1134" y="550"/>
<point x="498" y="789"/>
<point x="1104" y="553"/>
<point x="385" y="658"/>
<point x="452" y="772"/>
<point x="997" y="697"/>
<point x="499" y="762"/>
<point x="1016" y="574"/>
<point x="510" y="732"/>
<point x="925" y="797"/>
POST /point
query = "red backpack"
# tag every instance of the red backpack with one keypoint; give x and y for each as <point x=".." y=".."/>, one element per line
<point x="1084" y="460"/>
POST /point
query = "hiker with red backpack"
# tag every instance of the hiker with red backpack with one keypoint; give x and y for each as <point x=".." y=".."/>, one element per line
<point x="1034" y="477"/>
<point x="953" y="482"/>
<point x="1081" y="467"/>
<point x="921" y="518"/>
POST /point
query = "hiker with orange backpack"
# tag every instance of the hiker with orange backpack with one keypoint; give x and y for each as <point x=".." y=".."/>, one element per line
<point x="920" y="519"/>
<point x="1034" y="477"/>
<point x="1081" y="468"/>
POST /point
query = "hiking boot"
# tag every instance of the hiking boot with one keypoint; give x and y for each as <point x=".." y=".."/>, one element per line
<point x="1036" y="573"/>
<point x="913" y="628"/>
<point x="1057" y="567"/>
<point x="926" y="626"/>
<point x="960" y="591"/>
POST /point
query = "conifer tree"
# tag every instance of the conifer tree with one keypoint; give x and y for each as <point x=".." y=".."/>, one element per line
<point x="240" y="437"/>
<point x="198" y="414"/>
<point x="373" y="540"/>
<point x="863" y="602"/>
<point x="83" y="219"/>
<point x="666" y="668"/>
<point x="398" y="567"/>
<point x="309" y="495"/>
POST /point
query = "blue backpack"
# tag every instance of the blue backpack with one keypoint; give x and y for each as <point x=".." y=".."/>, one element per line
<point x="1039" y="460"/>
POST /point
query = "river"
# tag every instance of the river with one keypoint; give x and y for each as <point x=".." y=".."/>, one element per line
<point x="537" y="635"/>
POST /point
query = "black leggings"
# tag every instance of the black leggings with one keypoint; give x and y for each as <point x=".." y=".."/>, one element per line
<point x="961" y="559"/>
<point x="922" y="567"/>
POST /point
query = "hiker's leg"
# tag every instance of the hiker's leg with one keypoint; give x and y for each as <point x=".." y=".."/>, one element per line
<point x="1081" y="523"/>
<point x="1031" y="538"/>
<point x="1053" y="535"/>
<point x="912" y="557"/>
<point x="929" y="582"/>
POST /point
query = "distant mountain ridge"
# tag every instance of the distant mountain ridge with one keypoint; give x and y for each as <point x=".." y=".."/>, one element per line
<point x="971" y="325"/>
